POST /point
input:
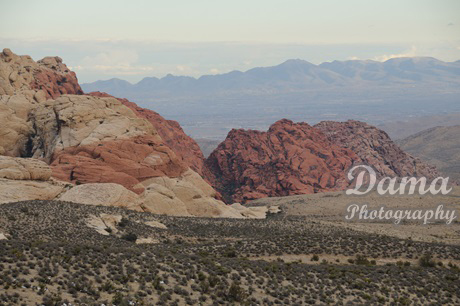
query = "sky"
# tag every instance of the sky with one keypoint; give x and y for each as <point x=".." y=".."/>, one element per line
<point x="135" y="39"/>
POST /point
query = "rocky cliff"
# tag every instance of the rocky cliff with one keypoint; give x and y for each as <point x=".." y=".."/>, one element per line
<point x="290" y="158"/>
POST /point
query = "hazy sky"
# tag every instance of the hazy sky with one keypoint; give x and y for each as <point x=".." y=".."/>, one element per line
<point x="133" y="39"/>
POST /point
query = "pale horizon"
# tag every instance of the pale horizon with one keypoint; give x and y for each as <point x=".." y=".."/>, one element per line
<point x="110" y="39"/>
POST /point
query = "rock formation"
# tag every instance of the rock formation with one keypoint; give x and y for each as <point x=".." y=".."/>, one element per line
<point x="108" y="147"/>
<point x="375" y="148"/>
<point x="24" y="179"/>
<point x="171" y="132"/>
<point x="290" y="158"/>
<point x="22" y="73"/>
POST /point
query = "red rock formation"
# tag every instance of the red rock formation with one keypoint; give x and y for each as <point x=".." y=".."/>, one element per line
<point x="125" y="162"/>
<point x="376" y="149"/>
<point x="171" y="132"/>
<point x="290" y="158"/>
<point x="55" y="78"/>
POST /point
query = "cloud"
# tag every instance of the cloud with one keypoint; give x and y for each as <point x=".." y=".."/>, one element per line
<point x="114" y="57"/>
<point x="450" y="24"/>
<point x="116" y="62"/>
<point x="409" y="53"/>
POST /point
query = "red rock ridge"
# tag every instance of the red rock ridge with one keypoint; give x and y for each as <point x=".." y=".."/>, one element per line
<point x="289" y="159"/>
<point x="170" y="131"/>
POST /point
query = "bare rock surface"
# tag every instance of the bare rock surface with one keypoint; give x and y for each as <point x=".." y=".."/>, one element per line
<point x="375" y="148"/>
<point x="108" y="194"/>
<point x="24" y="190"/>
<point x="15" y="168"/>
<point x="171" y="132"/>
<point x="290" y="158"/>
<point x="50" y="75"/>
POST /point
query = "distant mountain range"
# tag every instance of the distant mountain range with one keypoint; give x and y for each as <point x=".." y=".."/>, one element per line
<point x="371" y="91"/>
<point x="293" y="75"/>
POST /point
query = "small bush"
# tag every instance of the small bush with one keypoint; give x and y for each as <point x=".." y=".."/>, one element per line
<point x="129" y="237"/>
<point x="427" y="261"/>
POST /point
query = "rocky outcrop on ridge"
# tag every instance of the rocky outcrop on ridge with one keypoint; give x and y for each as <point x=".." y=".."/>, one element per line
<point x="49" y="75"/>
<point x="290" y="158"/>
<point x="375" y="148"/>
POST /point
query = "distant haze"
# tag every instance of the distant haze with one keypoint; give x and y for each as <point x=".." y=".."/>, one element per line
<point x="132" y="40"/>
<point x="371" y="91"/>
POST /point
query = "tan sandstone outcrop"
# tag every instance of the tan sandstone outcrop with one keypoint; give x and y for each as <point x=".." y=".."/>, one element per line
<point x="82" y="120"/>
<point x="15" y="130"/>
<point x="187" y="195"/>
<point x="24" y="179"/>
<point x="108" y="194"/>
<point x="24" y="169"/>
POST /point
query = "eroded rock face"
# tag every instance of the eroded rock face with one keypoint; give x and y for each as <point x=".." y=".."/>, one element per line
<point x="50" y="75"/>
<point x="24" y="190"/>
<point x="171" y="132"/>
<point x="290" y="158"/>
<point x="15" y="127"/>
<point x="24" y="179"/>
<point x="72" y="120"/>
<point x="375" y="148"/>
<point x="127" y="162"/>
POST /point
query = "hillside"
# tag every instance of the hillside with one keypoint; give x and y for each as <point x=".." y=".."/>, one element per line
<point x="401" y="129"/>
<point x="439" y="146"/>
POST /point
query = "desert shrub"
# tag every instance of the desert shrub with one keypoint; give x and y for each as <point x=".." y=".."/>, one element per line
<point x="129" y="237"/>
<point x="362" y="260"/>
<point x="123" y="222"/>
<point x="427" y="261"/>
<point x="236" y="293"/>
